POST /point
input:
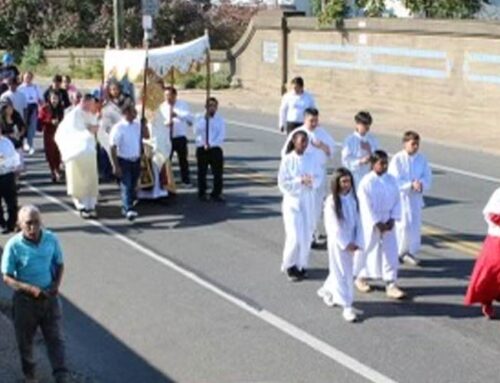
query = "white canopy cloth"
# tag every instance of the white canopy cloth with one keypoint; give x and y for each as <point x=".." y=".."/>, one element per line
<point x="180" y="57"/>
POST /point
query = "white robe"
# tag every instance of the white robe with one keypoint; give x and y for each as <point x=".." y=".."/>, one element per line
<point x="352" y="153"/>
<point x="321" y="160"/>
<point x="298" y="207"/>
<point x="406" y="169"/>
<point x="341" y="233"/>
<point x="378" y="202"/>
<point x="493" y="207"/>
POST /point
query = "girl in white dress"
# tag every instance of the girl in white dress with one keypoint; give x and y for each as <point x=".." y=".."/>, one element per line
<point x="345" y="237"/>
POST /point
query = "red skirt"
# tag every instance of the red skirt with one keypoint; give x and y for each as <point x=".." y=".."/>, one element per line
<point x="484" y="286"/>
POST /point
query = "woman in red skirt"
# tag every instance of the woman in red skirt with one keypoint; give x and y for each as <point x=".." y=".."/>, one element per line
<point x="50" y="116"/>
<point x="484" y="285"/>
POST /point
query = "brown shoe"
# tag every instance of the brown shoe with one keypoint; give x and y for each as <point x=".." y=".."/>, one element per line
<point x="362" y="286"/>
<point x="394" y="292"/>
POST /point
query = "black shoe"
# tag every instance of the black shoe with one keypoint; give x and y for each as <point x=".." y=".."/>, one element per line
<point x="315" y="245"/>
<point x="85" y="214"/>
<point x="303" y="273"/>
<point x="218" y="198"/>
<point x="294" y="274"/>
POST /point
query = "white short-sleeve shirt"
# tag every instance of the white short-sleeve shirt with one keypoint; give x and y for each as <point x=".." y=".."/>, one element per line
<point x="126" y="136"/>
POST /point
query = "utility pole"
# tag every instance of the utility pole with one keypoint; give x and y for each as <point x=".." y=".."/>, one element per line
<point x="118" y="23"/>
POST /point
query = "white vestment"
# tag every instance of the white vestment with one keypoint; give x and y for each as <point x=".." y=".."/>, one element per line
<point x="298" y="207"/>
<point x="378" y="203"/>
<point x="159" y="141"/>
<point x="341" y="233"/>
<point x="493" y="207"/>
<point x="321" y="160"/>
<point x="406" y="169"/>
<point x="78" y="151"/>
<point x="353" y="153"/>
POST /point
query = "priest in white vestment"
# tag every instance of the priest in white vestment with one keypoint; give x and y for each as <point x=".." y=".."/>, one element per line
<point x="414" y="177"/>
<point x="76" y="140"/>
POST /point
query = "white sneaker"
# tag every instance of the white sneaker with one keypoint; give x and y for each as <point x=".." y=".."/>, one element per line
<point x="321" y="292"/>
<point x="328" y="300"/>
<point x="131" y="215"/>
<point x="409" y="260"/>
<point x="26" y="147"/>
<point x="349" y="315"/>
<point x="393" y="291"/>
<point x="31" y="151"/>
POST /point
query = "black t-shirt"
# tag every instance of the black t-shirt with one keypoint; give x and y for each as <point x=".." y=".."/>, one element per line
<point x="9" y="129"/>
<point x="62" y="93"/>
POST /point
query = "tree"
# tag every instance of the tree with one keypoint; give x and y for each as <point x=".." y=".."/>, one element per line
<point x="444" y="9"/>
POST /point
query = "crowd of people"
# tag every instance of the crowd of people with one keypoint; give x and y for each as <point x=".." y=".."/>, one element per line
<point x="372" y="208"/>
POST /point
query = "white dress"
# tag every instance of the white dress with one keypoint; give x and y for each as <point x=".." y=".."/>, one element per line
<point x="298" y="207"/>
<point x="341" y="233"/>
<point x="352" y="153"/>
<point x="378" y="202"/>
<point x="406" y="169"/>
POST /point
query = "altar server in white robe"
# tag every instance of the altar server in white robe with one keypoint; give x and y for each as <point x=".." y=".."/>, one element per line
<point x="298" y="179"/>
<point x="322" y="148"/>
<point x="414" y="177"/>
<point x="76" y="139"/>
<point x="359" y="146"/>
<point x="380" y="208"/>
<point x="343" y="225"/>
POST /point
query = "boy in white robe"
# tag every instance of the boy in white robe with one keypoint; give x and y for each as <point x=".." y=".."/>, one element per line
<point x="343" y="225"/>
<point x="298" y="178"/>
<point x="380" y="208"/>
<point x="358" y="147"/>
<point x="414" y="177"/>
<point x="322" y="148"/>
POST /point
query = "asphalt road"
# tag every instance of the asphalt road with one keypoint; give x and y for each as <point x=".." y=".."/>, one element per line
<point x="192" y="292"/>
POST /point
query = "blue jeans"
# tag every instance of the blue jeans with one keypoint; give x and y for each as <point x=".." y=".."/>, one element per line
<point x="31" y="123"/>
<point x="128" y="182"/>
<point x="104" y="164"/>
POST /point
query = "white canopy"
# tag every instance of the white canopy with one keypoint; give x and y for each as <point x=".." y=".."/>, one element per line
<point x="181" y="57"/>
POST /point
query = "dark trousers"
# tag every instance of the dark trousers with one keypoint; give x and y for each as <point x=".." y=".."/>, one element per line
<point x="291" y="126"/>
<point x="29" y="314"/>
<point x="131" y="171"/>
<point x="180" y="146"/>
<point x="215" y="158"/>
<point x="8" y="193"/>
<point x="104" y="164"/>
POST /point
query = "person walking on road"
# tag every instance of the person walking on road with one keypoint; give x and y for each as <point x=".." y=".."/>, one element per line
<point x="414" y="177"/>
<point x="484" y="285"/>
<point x="298" y="179"/>
<point x="210" y="133"/>
<point x="343" y="225"/>
<point x="34" y="97"/>
<point x="380" y="208"/>
<point x="9" y="163"/>
<point x="358" y="147"/>
<point x="32" y="265"/>
<point x="293" y="106"/>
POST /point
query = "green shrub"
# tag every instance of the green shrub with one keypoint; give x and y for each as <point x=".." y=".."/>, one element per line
<point x="32" y="56"/>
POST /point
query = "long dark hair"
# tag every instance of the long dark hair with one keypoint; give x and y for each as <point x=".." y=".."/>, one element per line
<point x="336" y="190"/>
<point x="291" y="144"/>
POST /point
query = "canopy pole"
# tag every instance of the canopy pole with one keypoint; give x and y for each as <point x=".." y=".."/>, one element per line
<point x="207" y="117"/>
<point x="172" y="71"/>
<point x="145" y="84"/>
<point x="209" y="75"/>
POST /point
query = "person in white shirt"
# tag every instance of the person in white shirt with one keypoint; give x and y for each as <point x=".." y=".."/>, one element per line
<point x="177" y="118"/>
<point x="76" y="140"/>
<point x="414" y="177"/>
<point x="34" y="98"/>
<point x="9" y="163"/>
<point x="298" y="179"/>
<point x="210" y="133"/>
<point x="293" y="105"/>
<point x="17" y="98"/>
<point x="358" y="147"/>
<point x="125" y="141"/>
<point x="343" y="224"/>
<point x="380" y="208"/>
<point x="322" y="147"/>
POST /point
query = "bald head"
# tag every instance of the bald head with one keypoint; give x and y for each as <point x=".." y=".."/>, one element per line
<point x="29" y="221"/>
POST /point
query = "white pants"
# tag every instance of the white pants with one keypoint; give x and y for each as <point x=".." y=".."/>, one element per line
<point x="298" y="235"/>
<point x="340" y="279"/>
<point x="85" y="203"/>
<point x="319" y="200"/>
<point x="408" y="230"/>
<point x="380" y="260"/>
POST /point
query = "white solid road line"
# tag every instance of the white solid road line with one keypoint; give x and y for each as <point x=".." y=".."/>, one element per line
<point x="461" y="172"/>
<point x="264" y="315"/>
